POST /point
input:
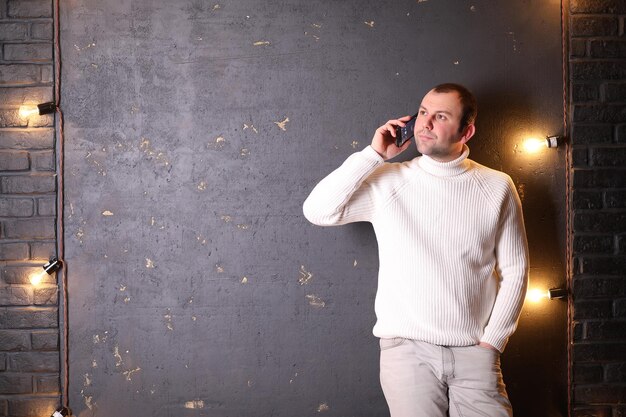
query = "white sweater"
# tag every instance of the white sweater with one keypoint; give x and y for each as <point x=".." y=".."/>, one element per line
<point x="452" y="248"/>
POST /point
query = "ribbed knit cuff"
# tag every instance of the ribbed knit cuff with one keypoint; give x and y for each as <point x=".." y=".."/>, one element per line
<point x="371" y="154"/>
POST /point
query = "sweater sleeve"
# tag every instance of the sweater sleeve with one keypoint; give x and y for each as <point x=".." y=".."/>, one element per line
<point x="342" y="197"/>
<point x="512" y="269"/>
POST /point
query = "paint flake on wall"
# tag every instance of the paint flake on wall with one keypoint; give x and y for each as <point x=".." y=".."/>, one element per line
<point x="228" y="219"/>
<point x="217" y="143"/>
<point x="251" y="127"/>
<point x="128" y="374"/>
<point x="315" y="26"/>
<point x="89" y="45"/>
<point x="305" y="276"/>
<point x="315" y="301"/>
<point x="150" y="152"/>
<point x="282" y="124"/>
<point x="153" y="222"/>
<point x="96" y="164"/>
<point x="80" y="233"/>
<point x="100" y="339"/>
<point x="168" y="320"/>
<point x="88" y="400"/>
<point x="294" y="377"/>
<point x="195" y="404"/>
<point x="117" y="356"/>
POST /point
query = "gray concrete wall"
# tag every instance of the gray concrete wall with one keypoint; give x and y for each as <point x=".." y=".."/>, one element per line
<point x="194" y="131"/>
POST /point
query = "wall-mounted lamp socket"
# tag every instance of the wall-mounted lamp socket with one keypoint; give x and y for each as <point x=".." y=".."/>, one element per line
<point x="62" y="412"/>
<point x="559" y="293"/>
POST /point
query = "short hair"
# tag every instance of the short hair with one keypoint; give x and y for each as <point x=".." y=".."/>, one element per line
<point x="468" y="102"/>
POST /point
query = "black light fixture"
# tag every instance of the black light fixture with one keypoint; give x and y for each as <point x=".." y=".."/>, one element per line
<point x="554" y="141"/>
<point x="557" y="293"/>
<point x="532" y="145"/>
<point x="28" y="110"/>
<point x="536" y="295"/>
<point x="62" y="412"/>
<point x="46" y="108"/>
<point x="52" y="266"/>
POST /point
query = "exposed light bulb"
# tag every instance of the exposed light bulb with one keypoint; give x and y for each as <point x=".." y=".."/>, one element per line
<point x="535" y="295"/>
<point x="36" y="277"/>
<point x="28" y="110"/>
<point x="49" y="268"/>
<point x="532" y="145"/>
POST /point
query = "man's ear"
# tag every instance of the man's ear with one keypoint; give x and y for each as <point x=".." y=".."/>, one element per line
<point x="468" y="133"/>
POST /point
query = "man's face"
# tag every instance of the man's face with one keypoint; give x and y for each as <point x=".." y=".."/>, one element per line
<point x="437" y="127"/>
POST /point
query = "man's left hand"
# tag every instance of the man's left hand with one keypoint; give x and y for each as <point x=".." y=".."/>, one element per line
<point x="487" y="346"/>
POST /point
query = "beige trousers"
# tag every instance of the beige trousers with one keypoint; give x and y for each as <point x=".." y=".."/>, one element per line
<point x="424" y="380"/>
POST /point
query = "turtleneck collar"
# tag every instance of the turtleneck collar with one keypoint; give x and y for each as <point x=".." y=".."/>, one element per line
<point x="446" y="169"/>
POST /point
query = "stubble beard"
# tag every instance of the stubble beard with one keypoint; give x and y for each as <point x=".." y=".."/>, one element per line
<point x="426" y="148"/>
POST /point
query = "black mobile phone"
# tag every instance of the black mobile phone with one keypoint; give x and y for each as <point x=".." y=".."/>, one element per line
<point x="405" y="133"/>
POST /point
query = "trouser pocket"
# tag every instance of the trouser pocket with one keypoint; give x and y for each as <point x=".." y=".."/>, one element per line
<point x="390" y="343"/>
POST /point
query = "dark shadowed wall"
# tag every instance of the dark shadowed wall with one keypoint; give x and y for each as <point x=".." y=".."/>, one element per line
<point x="597" y="65"/>
<point x="195" y="130"/>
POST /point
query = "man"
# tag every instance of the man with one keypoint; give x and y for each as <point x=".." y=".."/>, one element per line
<point x="453" y="259"/>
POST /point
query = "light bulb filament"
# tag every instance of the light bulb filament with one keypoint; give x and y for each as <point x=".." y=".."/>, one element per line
<point x="533" y="145"/>
<point x="28" y="110"/>
<point x="37" y="277"/>
<point x="535" y="295"/>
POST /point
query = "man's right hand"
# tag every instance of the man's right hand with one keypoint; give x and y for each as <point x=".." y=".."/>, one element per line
<point x="384" y="141"/>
